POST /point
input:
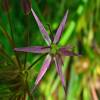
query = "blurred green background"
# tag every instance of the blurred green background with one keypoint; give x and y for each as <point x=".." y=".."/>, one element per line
<point x="82" y="31"/>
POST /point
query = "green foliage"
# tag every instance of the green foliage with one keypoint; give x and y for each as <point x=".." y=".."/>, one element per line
<point x="18" y="70"/>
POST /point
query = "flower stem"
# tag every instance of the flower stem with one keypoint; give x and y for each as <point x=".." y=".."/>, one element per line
<point x="51" y="33"/>
<point x="26" y="38"/>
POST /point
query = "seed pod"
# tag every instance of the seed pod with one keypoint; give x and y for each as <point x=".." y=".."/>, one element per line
<point x="26" y="5"/>
<point x="5" y="4"/>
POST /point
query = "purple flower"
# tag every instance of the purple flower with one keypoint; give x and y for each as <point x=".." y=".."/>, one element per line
<point x="54" y="52"/>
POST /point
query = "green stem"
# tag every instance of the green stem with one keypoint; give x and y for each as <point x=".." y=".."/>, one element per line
<point x="26" y="39"/>
<point x="51" y="33"/>
<point x="27" y="90"/>
<point x="35" y="61"/>
<point x="9" y="20"/>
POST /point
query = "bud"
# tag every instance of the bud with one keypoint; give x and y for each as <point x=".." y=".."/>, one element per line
<point x="26" y="5"/>
<point x="6" y="5"/>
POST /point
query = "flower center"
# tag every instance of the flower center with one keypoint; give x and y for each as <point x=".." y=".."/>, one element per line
<point x="54" y="49"/>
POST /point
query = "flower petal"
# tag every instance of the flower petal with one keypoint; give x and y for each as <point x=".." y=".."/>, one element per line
<point x="68" y="53"/>
<point x="42" y="29"/>
<point x="34" y="49"/>
<point x="60" y="29"/>
<point x="44" y="68"/>
<point x="59" y="63"/>
<point x="68" y="47"/>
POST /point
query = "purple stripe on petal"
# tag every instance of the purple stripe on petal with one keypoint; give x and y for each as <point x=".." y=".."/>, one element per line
<point x="60" y="29"/>
<point x="44" y="68"/>
<point x="42" y="29"/>
<point x="58" y="63"/>
<point x="34" y="49"/>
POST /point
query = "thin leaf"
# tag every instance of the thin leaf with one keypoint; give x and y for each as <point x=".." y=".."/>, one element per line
<point x="7" y="36"/>
<point x="11" y="41"/>
<point x="6" y="56"/>
<point x="35" y="62"/>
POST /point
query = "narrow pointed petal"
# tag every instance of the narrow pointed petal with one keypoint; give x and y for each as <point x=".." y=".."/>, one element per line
<point x="68" y="53"/>
<point x="34" y="49"/>
<point x="42" y="29"/>
<point x="58" y="63"/>
<point x="68" y="47"/>
<point x="44" y="68"/>
<point x="60" y="29"/>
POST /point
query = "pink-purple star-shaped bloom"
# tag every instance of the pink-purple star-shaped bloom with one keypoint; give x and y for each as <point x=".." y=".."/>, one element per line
<point x="54" y="52"/>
